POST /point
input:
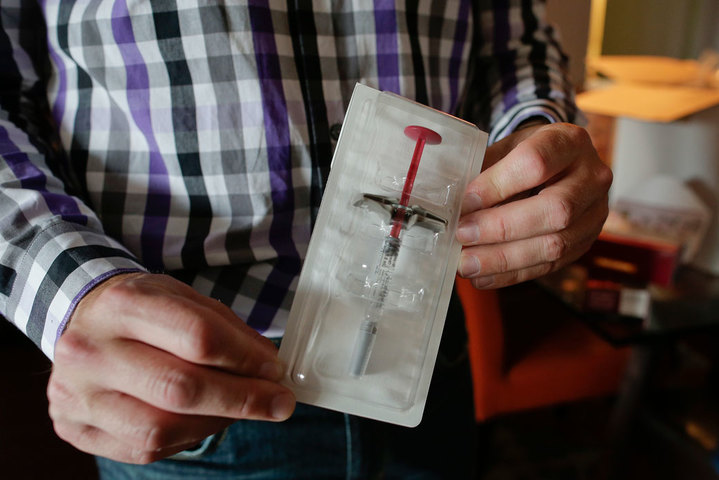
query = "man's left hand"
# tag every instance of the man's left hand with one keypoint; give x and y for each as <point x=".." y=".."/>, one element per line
<point x="539" y="203"/>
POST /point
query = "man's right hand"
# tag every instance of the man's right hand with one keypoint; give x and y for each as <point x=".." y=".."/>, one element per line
<point x="148" y="367"/>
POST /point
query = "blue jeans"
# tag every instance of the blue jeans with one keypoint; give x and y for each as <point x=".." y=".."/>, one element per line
<point x="321" y="444"/>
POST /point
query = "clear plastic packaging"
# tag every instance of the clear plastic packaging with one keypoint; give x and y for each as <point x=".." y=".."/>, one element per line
<point x="365" y="325"/>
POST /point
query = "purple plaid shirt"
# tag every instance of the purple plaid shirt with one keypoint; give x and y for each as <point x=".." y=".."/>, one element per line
<point x="194" y="138"/>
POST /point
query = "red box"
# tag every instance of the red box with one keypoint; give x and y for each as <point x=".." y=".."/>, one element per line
<point x="632" y="261"/>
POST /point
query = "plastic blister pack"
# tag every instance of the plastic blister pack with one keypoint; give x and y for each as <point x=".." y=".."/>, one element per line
<point x="365" y="325"/>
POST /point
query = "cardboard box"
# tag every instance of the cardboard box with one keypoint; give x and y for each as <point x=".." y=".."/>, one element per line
<point x="662" y="127"/>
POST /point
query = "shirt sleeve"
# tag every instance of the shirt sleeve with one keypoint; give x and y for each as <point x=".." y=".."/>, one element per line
<point x="518" y="69"/>
<point x="52" y="246"/>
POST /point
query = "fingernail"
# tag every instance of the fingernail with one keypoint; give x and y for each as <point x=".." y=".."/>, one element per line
<point x="271" y="371"/>
<point x="282" y="406"/>
<point x="468" y="265"/>
<point x="467" y="232"/>
<point x="482" y="282"/>
<point x="471" y="202"/>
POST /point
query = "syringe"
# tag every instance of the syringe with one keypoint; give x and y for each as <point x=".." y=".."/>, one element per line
<point x="402" y="216"/>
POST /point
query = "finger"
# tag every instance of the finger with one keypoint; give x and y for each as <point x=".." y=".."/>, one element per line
<point x="95" y="441"/>
<point x="553" y="210"/>
<point x="510" y="278"/>
<point x="553" y="249"/>
<point x="236" y="322"/>
<point x="133" y="422"/>
<point x="220" y="308"/>
<point x="493" y="259"/>
<point x="534" y="161"/>
<point x="172" y="384"/>
<point x="500" y="149"/>
<point x="179" y="324"/>
<point x="140" y="425"/>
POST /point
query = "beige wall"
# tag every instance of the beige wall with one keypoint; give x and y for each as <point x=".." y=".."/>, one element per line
<point x="674" y="28"/>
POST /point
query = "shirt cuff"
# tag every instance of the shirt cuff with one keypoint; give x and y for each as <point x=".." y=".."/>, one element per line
<point x="63" y="263"/>
<point x="513" y="117"/>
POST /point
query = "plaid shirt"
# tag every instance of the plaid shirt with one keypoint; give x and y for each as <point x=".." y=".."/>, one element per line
<point x="194" y="138"/>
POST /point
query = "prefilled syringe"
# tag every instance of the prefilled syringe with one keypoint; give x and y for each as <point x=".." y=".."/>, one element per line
<point x="381" y="278"/>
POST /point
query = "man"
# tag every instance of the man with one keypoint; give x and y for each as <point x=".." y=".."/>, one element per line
<point x="158" y="157"/>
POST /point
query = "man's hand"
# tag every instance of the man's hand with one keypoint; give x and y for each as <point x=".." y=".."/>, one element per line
<point x="539" y="203"/>
<point x="149" y="367"/>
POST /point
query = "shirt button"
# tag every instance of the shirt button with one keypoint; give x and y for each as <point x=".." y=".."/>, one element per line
<point x="335" y="131"/>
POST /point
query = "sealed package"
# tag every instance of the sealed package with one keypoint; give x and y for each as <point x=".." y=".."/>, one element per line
<point x="365" y="325"/>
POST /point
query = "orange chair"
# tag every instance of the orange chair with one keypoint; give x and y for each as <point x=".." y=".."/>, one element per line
<point x="569" y="363"/>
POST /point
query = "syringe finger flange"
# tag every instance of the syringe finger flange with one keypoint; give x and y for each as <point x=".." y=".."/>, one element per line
<point x="411" y="215"/>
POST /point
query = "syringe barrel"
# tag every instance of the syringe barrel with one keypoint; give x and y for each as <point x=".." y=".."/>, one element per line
<point x="379" y="288"/>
